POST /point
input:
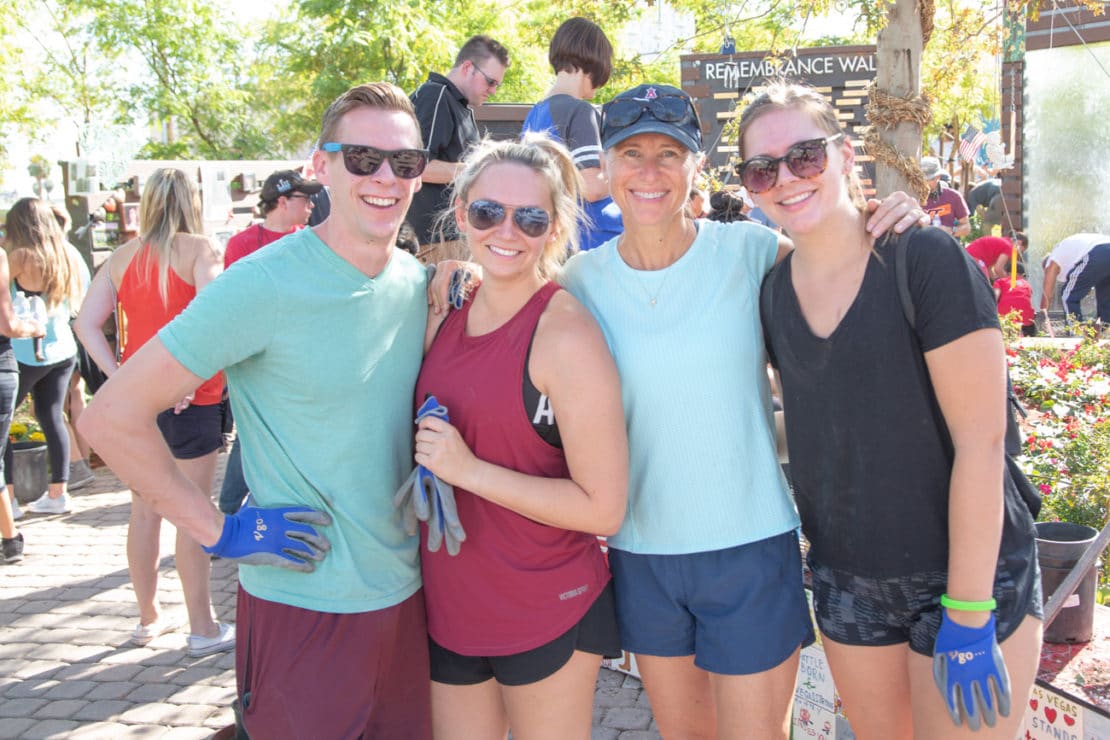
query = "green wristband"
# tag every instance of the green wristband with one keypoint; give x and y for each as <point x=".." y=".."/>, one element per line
<point x="968" y="606"/>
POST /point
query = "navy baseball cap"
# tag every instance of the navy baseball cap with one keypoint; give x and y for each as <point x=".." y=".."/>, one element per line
<point x="284" y="182"/>
<point x="651" y="109"/>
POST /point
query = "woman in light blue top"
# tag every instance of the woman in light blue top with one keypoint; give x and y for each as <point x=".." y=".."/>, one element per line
<point x="42" y="265"/>
<point x="706" y="567"/>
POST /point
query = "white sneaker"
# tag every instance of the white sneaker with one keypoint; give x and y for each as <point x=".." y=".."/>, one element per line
<point x="199" y="646"/>
<point x="166" y="623"/>
<point x="46" y="505"/>
<point x="17" y="513"/>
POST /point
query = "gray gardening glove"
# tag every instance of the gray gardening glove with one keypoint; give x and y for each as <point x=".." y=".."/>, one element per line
<point x="405" y="500"/>
<point x="424" y="497"/>
<point x="443" y="519"/>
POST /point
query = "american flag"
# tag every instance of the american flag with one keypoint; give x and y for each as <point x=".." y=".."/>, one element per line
<point x="971" y="142"/>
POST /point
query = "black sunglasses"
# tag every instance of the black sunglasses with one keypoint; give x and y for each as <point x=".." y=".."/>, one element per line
<point x="363" y="160"/>
<point x="626" y="111"/>
<point x="490" y="81"/>
<point x="485" y="214"/>
<point x="806" y="159"/>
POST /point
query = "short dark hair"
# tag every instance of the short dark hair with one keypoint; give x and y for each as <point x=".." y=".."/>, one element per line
<point x="1019" y="236"/>
<point x="726" y="207"/>
<point x="581" y="44"/>
<point x="480" y="48"/>
<point x="406" y="239"/>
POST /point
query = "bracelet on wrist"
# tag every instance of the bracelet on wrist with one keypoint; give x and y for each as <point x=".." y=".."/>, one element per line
<point x="968" y="606"/>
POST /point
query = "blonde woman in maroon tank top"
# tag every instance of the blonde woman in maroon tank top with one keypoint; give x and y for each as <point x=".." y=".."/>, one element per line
<point x="147" y="282"/>
<point x="537" y="452"/>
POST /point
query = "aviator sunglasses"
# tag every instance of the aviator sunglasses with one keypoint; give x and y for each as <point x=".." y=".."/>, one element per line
<point x="362" y="160"/>
<point x="485" y="214"/>
<point x="626" y="111"/>
<point x="806" y="159"/>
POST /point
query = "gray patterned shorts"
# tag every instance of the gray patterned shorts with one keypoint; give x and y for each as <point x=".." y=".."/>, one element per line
<point x="856" y="610"/>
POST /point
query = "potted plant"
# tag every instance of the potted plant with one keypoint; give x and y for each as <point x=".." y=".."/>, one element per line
<point x="29" y="474"/>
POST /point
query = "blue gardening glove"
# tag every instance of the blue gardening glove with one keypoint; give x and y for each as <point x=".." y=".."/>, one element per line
<point x="414" y="496"/>
<point x="967" y="663"/>
<point x="457" y="289"/>
<point x="426" y="498"/>
<point x="280" y="537"/>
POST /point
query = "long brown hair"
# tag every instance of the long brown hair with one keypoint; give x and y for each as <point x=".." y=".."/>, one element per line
<point x="779" y="95"/>
<point x="32" y="226"/>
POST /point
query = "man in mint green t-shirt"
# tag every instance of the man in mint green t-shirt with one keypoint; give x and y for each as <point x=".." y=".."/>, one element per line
<point x="320" y="336"/>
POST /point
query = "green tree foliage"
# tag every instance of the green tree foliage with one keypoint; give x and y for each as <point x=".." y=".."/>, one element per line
<point x="960" y="68"/>
<point x="49" y="55"/>
<point x="228" y="91"/>
<point x="325" y="46"/>
<point x="192" y="73"/>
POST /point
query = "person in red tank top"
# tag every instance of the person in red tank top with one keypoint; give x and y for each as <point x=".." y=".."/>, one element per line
<point x="148" y="281"/>
<point x="537" y="451"/>
<point x="285" y="204"/>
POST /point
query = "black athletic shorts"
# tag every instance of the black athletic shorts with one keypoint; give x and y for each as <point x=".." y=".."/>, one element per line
<point x="194" y="432"/>
<point x="595" y="633"/>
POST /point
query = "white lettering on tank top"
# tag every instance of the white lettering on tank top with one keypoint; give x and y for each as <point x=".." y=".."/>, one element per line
<point x="544" y="413"/>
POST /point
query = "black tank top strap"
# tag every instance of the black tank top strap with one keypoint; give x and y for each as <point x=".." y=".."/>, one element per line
<point x="538" y="405"/>
<point x="26" y="292"/>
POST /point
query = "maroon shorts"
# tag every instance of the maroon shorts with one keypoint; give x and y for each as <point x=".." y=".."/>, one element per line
<point x="308" y="674"/>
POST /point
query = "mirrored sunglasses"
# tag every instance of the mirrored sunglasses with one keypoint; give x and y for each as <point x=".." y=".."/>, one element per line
<point x="806" y="159"/>
<point x="362" y="160"/>
<point x="485" y="214"/>
<point x="626" y="111"/>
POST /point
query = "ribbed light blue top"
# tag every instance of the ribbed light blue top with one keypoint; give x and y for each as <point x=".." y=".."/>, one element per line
<point x="704" y="469"/>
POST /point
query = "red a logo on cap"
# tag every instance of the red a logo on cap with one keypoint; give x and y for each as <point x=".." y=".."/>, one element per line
<point x="651" y="94"/>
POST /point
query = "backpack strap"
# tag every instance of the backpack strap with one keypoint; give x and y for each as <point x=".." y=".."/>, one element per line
<point x="898" y="255"/>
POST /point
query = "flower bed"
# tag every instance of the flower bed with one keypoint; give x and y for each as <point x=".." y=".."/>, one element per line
<point x="1065" y="387"/>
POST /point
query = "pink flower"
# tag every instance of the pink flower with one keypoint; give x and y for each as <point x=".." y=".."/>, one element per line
<point x="1045" y="489"/>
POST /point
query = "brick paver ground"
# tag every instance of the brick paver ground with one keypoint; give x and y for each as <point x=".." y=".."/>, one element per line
<point x="66" y="669"/>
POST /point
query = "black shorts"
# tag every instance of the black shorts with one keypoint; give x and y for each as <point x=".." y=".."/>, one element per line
<point x="595" y="633"/>
<point x="854" y="610"/>
<point x="194" y="432"/>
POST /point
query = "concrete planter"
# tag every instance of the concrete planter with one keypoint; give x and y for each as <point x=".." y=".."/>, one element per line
<point x="29" y="472"/>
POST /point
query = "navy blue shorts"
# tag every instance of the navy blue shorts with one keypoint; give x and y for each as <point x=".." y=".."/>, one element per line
<point x="595" y="633"/>
<point x="195" y="432"/>
<point x="854" y="610"/>
<point x="738" y="611"/>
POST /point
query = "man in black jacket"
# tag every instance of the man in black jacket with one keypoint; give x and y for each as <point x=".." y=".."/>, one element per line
<point x="443" y="107"/>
